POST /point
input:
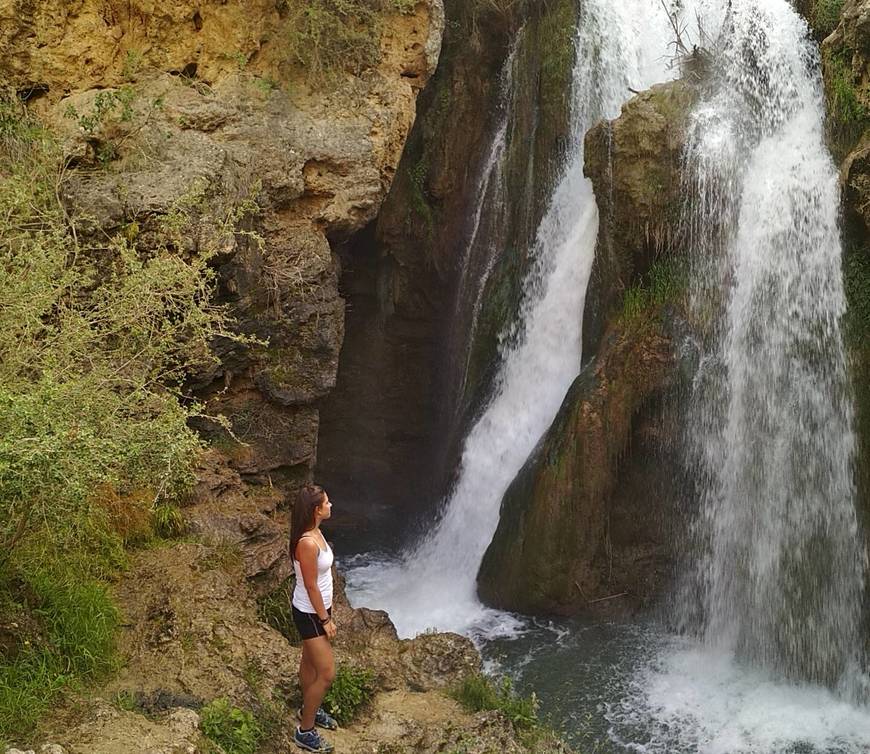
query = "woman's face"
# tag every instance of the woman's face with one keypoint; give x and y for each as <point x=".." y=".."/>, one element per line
<point x="324" y="510"/>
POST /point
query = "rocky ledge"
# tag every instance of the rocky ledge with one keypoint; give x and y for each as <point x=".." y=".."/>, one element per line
<point x="206" y="618"/>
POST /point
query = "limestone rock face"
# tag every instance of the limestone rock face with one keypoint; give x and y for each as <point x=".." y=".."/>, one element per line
<point x="587" y="517"/>
<point x="634" y="164"/>
<point x="200" y="108"/>
<point x="108" y="730"/>
<point x="559" y="545"/>
<point x="415" y="364"/>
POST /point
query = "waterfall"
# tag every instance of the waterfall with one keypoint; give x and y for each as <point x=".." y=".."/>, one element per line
<point x="621" y="46"/>
<point x="782" y="572"/>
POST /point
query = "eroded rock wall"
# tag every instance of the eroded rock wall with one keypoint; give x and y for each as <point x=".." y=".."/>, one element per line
<point x="201" y="107"/>
<point x="846" y="71"/>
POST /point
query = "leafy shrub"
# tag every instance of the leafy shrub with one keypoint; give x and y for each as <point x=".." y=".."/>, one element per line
<point x="826" y="15"/>
<point x="95" y="342"/>
<point x="352" y="688"/>
<point x="478" y="692"/>
<point x="235" y="730"/>
<point x="328" y="36"/>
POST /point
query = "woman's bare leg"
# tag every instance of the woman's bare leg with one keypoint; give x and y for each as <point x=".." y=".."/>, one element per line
<point x="321" y="659"/>
<point x="307" y="671"/>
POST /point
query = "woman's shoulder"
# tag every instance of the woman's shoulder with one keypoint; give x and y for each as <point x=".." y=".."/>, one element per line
<point x="307" y="544"/>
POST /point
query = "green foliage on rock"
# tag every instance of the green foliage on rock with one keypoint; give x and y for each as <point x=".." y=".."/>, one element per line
<point x="330" y="36"/>
<point x="847" y="116"/>
<point x="95" y="342"/>
<point x="479" y="692"/>
<point x="352" y="689"/>
<point x="276" y="609"/>
<point x="235" y="730"/>
<point x="664" y="283"/>
<point x="826" y="16"/>
<point x="96" y="339"/>
<point x="66" y="636"/>
<point x="856" y="277"/>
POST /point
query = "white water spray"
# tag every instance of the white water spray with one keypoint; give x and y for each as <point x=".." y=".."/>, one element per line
<point x="433" y="586"/>
<point x="783" y="575"/>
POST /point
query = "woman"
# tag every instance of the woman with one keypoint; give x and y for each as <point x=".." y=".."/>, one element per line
<point x="312" y="614"/>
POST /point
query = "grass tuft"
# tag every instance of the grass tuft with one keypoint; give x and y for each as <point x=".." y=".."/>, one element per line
<point x="664" y="283"/>
<point x="351" y="690"/>
<point x="276" y="609"/>
<point x="70" y="642"/>
<point x="168" y="521"/>
<point x="479" y="692"/>
<point x="235" y="730"/>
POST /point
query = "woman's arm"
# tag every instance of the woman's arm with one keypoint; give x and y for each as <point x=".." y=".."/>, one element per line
<point x="306" y="554"/>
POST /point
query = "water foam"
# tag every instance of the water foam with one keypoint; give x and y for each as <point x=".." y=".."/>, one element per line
<point x="704" y="701"/>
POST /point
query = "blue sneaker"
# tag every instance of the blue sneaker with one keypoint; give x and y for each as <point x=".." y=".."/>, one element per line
<point x="322" y="719"/>
<point x="310" y="740"/>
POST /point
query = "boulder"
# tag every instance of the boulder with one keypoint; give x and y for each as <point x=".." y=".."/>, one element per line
<point x="586" y="517"/>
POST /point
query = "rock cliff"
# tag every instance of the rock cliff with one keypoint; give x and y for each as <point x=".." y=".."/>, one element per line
<point x="846" y="72"/>
<point x="206" y="107"/>
<point x="591" y="514"/>
<point x="422" y="340"/>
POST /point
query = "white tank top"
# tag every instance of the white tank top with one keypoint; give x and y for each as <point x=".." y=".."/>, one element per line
<point x="324" y="581"/>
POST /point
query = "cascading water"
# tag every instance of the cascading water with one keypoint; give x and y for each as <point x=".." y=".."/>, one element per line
<point x="783" y="572"/>
<point x="771" y="666"/>
<point x="622" y="45"/>
<point x="779" y="585"/>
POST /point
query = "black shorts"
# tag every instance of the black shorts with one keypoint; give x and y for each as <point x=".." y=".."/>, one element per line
<point x="308" y="624"/>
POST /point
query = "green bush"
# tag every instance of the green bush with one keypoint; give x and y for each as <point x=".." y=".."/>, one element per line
<point x="328" y="36"/>
<point x="479" y="692"/>
<point x="77" y="622"/>
<point x="95" y="343"/>
<point x="826" y="15"/>
<point x="352" y="688"/>
<point x="96" y="340"/>
<point x="235" y="730"/>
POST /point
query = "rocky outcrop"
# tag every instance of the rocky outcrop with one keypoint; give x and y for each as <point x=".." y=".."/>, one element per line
<point x="193" y="632"/>
<point x="200" y="110"/>
<point x="590" y="517"/>
<point x="635" y="164"/>
<point x="586" y="517"/>
<point x="846" y="72"/>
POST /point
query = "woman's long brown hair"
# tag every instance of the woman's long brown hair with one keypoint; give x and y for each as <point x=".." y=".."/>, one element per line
<point x="303" y="520"/>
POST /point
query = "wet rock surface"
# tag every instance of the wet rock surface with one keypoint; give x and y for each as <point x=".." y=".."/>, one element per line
<point x="584" y="525"/>
<point x="634" y="163"/>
